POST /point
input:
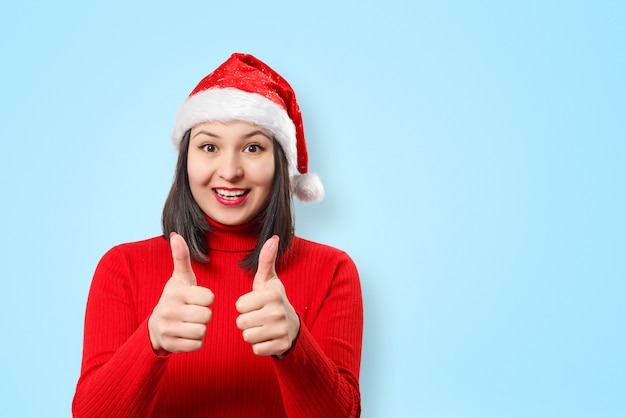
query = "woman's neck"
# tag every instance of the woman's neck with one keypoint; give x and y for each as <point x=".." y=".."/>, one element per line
<point x="232" y="238"/>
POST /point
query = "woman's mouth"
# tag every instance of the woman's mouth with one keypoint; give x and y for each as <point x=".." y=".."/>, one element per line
<point x="231" y="197"/>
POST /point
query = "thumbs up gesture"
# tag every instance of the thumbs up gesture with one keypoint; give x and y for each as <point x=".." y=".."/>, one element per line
<point x="268" y="321"/>
<point x="178" y="322"/>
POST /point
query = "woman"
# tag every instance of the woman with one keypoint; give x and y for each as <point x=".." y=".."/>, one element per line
<point x="228" y="314"/>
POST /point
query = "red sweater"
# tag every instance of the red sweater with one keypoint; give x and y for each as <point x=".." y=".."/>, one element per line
<point x="319" y="377"/>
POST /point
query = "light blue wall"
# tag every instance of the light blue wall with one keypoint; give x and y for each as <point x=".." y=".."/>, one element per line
<point x="473" y="155"/>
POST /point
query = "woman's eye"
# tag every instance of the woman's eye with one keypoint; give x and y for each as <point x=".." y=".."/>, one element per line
<point x="254" y="148"/>
<point x="208" y="148"/>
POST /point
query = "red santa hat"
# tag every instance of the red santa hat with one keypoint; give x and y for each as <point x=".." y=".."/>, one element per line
<point x="245" y="89"/>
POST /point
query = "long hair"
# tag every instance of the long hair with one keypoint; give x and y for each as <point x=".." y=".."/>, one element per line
<point x="183" y="215"/>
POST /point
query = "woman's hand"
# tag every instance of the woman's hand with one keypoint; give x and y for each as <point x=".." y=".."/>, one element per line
<point x="267" y="319"/>
<point x="178" y="322"/>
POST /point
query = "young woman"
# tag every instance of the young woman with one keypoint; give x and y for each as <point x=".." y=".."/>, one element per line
<point x="228" y="314"/>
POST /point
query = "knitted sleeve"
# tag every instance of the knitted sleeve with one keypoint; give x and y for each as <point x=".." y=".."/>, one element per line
<point x="120" y="373"/>
<point x="319" y="377"/>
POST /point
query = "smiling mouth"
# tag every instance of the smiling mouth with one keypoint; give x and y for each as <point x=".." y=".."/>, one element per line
<point x="231" y="194"/>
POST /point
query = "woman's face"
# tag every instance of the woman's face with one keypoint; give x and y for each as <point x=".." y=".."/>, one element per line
<point x="231" y="170"/>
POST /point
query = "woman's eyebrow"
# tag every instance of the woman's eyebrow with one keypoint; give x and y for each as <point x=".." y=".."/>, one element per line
<point x="205" y="133"/>
<point x="246" y="136"/>
<point x="257" y="132"/>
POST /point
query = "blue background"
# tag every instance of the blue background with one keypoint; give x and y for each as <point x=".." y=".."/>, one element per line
<point x="472" y="152"/>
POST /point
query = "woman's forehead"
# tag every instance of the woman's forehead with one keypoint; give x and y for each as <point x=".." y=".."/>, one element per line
<point x="230" y="128"/>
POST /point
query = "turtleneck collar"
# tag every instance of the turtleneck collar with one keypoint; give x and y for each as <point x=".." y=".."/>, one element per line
<point x="235" y="238"/>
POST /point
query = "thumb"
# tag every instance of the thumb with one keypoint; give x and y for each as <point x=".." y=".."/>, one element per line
<point x="182" y="260"/>
<point x="266" y="269"/>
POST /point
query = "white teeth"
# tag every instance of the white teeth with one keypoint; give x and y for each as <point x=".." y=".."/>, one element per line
<point x="230" y="193"/>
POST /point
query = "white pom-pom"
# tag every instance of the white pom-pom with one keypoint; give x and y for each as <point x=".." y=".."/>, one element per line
<point x="307" y="187"/>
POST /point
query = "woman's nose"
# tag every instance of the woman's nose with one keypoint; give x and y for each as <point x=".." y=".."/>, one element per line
<point x="230" y="168"/>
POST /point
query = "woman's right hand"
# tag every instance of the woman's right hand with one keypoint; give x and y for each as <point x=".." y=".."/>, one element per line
<point x="178" y="322"/>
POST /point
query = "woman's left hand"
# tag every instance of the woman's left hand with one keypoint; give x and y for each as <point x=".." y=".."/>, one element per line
<point x="267" y="319"/>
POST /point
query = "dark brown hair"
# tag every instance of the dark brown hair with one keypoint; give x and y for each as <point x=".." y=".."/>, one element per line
<point x="181" y="213"/>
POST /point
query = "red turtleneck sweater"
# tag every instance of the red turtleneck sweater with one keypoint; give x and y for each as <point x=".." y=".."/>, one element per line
<point x="319" y="377"/>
